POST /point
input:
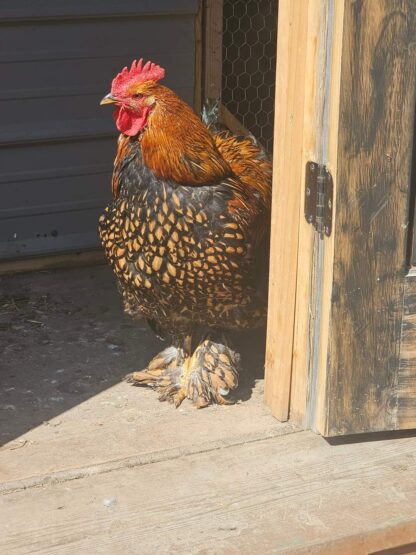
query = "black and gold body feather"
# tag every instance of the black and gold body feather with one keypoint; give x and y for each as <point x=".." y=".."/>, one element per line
<point x="180" y="256"/>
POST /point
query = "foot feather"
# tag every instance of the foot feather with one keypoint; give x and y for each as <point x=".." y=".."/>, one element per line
<point x="162" y="371"/>
<point x="205" y="377"/>
<point x="211" y="374"/>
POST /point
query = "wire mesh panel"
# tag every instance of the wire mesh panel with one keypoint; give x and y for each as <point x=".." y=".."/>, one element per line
<point x="249" y="65"/>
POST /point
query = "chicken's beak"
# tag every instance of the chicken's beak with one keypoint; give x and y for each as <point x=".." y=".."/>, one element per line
<point x="108" y="99"/>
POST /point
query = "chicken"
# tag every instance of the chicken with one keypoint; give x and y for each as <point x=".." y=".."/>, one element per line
<point x="183" y="233"/>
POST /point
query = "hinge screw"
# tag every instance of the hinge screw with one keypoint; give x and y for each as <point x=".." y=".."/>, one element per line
<point x="308" y="192"/>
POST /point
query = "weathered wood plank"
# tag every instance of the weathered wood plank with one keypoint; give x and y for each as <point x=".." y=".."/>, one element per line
<point x="389" y="540"/>
<point x="198" y="100"/>
<point x="406" y="379"/>
<point x="303" y="313"/>
<point x="324" y="249"/>
<point x="212" y="50"/>
<point x="374" y="164"/>
<point x="287" y="187"/>
<point x="283" y="495"/>
<point x="320" y="134"/>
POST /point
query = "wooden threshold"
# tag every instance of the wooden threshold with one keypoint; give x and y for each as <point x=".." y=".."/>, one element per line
<point x="293" y="494"/>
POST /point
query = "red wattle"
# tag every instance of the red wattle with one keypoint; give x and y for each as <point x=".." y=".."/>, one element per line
<point x="128" y="122"/>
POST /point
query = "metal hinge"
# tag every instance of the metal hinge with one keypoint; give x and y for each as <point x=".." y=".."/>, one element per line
<point x="318" y="198"/>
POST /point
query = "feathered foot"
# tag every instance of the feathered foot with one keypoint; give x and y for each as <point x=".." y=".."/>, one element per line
<point x="163" y="374"/>
<point x="210" y="374"/>
<point x="205" y="377"/>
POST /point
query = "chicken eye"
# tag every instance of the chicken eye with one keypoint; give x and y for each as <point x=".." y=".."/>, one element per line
<point x="137" y="95"/>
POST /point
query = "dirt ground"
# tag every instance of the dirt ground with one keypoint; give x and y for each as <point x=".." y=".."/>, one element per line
<point x="64" y="339"/>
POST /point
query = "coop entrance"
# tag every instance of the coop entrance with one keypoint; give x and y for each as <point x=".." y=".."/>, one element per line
<point x="342" y="317"/>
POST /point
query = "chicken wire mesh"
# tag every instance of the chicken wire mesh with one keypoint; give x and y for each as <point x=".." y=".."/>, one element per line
<point x="249" y="65"/>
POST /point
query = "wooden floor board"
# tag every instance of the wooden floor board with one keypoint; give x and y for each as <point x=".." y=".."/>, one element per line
<point x="280" y="495"/>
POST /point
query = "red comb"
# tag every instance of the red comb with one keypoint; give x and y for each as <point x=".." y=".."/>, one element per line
<point x="136" y="74"/>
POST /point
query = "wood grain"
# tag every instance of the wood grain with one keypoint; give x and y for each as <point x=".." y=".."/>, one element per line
<point x="287" y="188"/>
<point x="406" y="379"/>
<point x="302" y="130"/>
<point x="198" y="100"/>
<point x="321" y="95"/>
<point x="303" y="313"/>
<point x="284" y="495"/>
<point x="212" y="58"/>
<point x="317" y="413"/>
<point x="374" y="166"/>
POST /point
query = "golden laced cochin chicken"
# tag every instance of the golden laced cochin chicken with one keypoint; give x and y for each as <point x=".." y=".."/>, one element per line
<point x="184" y="232"/>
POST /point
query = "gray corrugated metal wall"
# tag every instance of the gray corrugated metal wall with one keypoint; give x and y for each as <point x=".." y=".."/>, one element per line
<point x="57" y="60"/>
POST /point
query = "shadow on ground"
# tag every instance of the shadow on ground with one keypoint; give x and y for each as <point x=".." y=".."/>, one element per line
<point x="64" y="339"/>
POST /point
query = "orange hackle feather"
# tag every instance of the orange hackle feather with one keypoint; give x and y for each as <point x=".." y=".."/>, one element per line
<point x="177" y="146"/>
<point x="123" y="147"/>
<point x="252" y="199"/>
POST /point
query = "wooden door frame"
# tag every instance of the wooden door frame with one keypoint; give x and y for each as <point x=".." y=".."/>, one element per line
<point x="306" y="128"/>
<point x="329" y="53"/>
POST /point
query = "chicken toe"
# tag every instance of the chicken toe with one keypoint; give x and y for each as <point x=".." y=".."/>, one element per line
<point x="163" y="371"/>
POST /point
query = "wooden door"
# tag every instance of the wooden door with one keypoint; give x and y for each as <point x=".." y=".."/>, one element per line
<point x="341" y="353"/>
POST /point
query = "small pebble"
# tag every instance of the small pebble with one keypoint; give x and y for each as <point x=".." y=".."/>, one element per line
<point x="109" y="501"/>
<point x="53" y="423"/>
